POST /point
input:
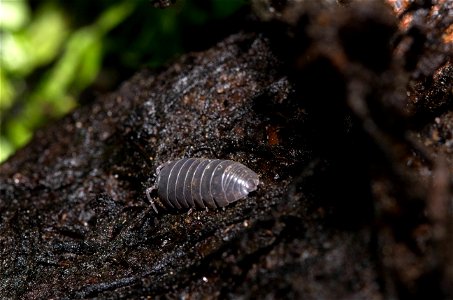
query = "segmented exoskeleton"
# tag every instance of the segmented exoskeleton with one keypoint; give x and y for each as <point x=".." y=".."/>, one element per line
<point x="201" y="182"/>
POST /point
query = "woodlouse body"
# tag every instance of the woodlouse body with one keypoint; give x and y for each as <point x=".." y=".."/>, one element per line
<point x="201" y="182"/>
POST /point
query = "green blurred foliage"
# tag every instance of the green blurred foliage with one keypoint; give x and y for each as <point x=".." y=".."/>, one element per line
<point x="54" y="52"/>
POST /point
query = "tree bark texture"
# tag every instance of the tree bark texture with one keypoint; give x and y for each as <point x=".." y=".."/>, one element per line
<point x="343" y="110"/>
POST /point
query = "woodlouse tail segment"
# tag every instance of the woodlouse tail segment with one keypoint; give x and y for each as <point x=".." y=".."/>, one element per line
<point x="252" y="186"/>
<point x="148" y="194"/>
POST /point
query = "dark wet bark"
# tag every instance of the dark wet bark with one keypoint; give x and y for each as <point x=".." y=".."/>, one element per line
<point x="345" y="114"/>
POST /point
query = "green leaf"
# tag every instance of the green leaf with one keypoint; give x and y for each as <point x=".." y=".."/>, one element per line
<point x="13" y="14"/>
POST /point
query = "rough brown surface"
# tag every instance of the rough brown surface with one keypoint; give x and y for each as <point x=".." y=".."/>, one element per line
<point x="344" y="113"/>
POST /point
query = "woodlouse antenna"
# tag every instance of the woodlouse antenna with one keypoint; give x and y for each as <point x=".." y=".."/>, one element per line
<point x="148" y="194"/>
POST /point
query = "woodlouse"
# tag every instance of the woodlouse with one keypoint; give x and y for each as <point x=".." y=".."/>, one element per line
<point x="201" y="182"/>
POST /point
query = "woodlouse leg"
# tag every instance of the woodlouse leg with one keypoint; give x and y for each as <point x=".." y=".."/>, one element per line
<point x="148" y="194"/>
